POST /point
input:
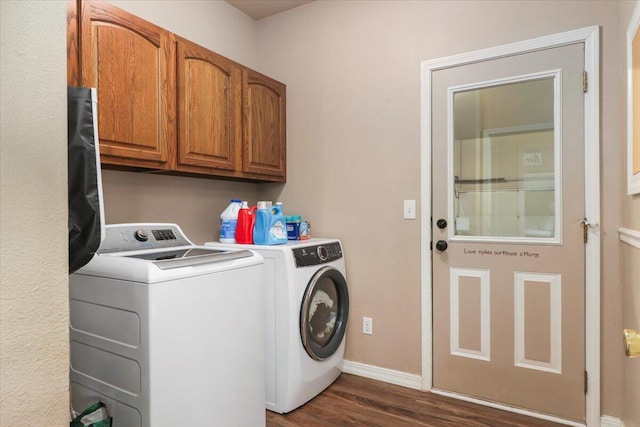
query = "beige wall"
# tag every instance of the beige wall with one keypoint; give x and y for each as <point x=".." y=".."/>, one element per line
<point x="193" y="203"/>
<point x="213" y="24"/>
<point x="630" y="260"/>
<point x="352" y="70"/>
<point x="352" y="75"/>
<point x="33" y="214"/>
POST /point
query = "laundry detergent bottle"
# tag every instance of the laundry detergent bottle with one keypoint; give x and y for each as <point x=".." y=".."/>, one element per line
<point x="246" y="221"/>
<point x="229" y="221"/>
<point x="278" y="229"/>
<point x="270" y="227"/>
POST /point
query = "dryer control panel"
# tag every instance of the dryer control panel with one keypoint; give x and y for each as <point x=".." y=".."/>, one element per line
<point x="318" y="254"/>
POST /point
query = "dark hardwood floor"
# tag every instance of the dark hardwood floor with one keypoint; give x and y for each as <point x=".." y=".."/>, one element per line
<point x="357" y="401"/>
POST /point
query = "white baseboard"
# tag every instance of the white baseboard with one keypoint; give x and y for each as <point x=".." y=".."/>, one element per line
<point x="607" y="421"/>
<point x="383" y="374"/>
<point x="415" y="382"/>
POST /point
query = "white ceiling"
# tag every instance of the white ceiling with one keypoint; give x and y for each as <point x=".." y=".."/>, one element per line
<point x="259" y="9"/>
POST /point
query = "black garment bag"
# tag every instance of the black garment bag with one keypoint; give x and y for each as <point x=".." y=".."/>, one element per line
<point x="85" y="185"/>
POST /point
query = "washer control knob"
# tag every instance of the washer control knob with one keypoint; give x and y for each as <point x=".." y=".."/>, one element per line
<point x="141" y="235"/>
<point x="322" y="253"/>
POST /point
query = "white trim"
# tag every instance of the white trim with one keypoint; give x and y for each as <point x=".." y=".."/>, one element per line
<point x="592" y="213"/>
<point x="633" y="181"/>
<point x="454" y="314"/>
<point x="383" y="374"/>
<point x="531" y="45"/>
<point x="629" y="236"/>
<point x="507" y="408"/>
<point x="555" y="331"/>
<point x="608" y="421"/>
<point x="426" y="296"/>
<point x="590" y="36"/>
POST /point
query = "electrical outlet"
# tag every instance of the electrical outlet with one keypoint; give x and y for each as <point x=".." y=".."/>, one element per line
<point x="367" y="325"/>
<point x="409" y="209"/>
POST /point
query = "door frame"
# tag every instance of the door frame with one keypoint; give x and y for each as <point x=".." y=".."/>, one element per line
<point x="590" y="36"/>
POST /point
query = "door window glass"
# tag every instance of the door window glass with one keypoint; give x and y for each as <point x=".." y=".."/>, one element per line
<point x="505" y="161"/>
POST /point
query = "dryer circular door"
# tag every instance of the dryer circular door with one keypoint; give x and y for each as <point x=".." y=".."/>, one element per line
<point x="324" y="313"/>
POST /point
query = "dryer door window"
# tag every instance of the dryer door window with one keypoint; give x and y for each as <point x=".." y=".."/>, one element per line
<point x="324" y="313"/>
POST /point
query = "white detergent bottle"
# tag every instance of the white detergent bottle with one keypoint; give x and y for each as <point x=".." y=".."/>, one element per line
<point x="229" y="221"/>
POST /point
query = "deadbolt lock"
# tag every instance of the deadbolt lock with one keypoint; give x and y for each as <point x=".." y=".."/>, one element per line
<point x="441" y="245"/>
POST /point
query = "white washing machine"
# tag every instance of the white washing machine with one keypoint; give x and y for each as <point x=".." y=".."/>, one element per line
<point x="167" y="333"/>
<point x="307" y="308"/>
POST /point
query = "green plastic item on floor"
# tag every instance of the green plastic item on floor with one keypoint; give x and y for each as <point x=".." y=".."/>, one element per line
<point x="95" y="415"/>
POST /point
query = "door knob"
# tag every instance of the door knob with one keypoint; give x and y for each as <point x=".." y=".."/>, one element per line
<point x="441" y="245"/>
<point x="441" y="223"/>
<point x="631" y="343"/>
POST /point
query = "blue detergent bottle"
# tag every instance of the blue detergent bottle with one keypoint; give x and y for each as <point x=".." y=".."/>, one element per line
<point x="270" y="227"/>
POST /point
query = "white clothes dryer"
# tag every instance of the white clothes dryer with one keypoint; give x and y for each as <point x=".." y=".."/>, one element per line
<point x="167" y="333"/>
<point x="307" y="309"/>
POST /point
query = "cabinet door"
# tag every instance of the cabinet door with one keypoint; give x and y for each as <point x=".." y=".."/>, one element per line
<point x="264" y="126"/>
<point x="208" y="109"/>
<point x="131" y="62"/>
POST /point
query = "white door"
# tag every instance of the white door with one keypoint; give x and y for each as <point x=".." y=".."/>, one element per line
<point x="508" y="245"/>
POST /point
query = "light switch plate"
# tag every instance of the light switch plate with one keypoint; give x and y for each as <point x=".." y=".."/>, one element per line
<point x="409" y="209"/>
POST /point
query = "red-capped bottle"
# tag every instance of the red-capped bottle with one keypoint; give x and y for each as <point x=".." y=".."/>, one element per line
<point x="246" y="220"/>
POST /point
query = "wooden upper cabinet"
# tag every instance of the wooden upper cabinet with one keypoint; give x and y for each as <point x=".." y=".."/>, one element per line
<point x="168" y="104"/>
<point x="208" y="109"/>
<point x="131" y="62"/>
<point x="264" y="125"/>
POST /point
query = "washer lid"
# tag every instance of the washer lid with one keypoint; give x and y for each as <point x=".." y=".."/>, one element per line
<point x="162" y="265"/>
<point x="185" y="257"/>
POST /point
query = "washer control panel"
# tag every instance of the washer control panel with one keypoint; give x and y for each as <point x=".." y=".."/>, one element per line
<point x="131" y="237"/>
<point x="318" y="254"/>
